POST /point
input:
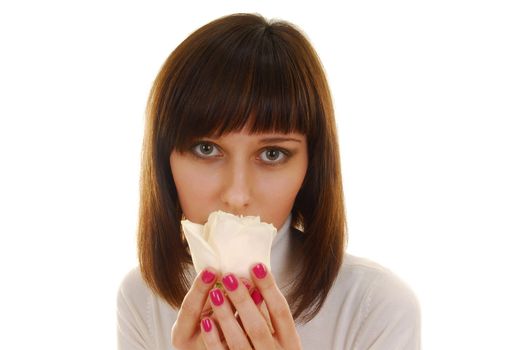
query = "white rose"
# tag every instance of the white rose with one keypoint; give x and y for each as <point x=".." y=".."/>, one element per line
<point x="229" y="243"/>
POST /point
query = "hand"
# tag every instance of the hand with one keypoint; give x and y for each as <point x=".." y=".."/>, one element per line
<point x="251" y="330"/>
<point x="185" y="333"/>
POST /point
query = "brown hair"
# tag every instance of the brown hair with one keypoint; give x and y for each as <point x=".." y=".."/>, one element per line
<point x="234" y="70"/>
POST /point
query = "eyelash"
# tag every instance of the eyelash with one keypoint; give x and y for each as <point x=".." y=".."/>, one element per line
<point x="286" y="153"/>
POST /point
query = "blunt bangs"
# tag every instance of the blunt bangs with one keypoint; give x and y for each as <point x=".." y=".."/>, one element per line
<point x="237" y="77"/>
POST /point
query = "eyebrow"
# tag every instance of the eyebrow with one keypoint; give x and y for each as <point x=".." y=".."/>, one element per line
<point x="278" y="139"/>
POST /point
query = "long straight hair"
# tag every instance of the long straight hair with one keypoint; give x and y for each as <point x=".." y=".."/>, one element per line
<point x="235" y="71"/>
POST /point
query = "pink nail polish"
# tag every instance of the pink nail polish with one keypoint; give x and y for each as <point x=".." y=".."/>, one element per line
<point x="259" y="271"/>
<point x="230" y="282"/>
<point x="216" y="297"/>
<point x="256" y="297"/>
<point x="207" y="325"/>
<point x="208" y="276"/>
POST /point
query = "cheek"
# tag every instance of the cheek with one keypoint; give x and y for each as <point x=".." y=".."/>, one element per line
<point x="281" y="187"/>
<point x="279" y="194"/>
<point x="195" y="189"/>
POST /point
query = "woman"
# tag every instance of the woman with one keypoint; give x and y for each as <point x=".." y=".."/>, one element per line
<point x="240" y="119"/>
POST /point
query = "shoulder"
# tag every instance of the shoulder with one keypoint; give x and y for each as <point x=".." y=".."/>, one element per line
<point x="133" y="287"/>
<point x="133" y="312"/>
<point x="134" y="297"/>
<point x="377" y="284"/>
<point x="388" y="307"/>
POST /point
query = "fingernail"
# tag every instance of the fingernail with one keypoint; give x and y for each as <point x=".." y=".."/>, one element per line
<point x="256" y="297"/>
<point x="259" y="271"/>
<point x="230" y="282"/>
<point x="207" y="325"/>
<point x="216" y="297"/>
<point x="208" y="276"/>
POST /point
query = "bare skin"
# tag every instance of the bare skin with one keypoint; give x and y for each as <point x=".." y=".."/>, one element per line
<point x="224" y="330"/>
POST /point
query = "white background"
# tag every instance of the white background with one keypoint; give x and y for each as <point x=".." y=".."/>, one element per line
<point x="429" y="105"/>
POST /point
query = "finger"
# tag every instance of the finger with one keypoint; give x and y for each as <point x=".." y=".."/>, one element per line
<point x="192" y="307"/>
<point x="256" y="297"/>
<point x="215" y="322"/>
<point x="210" y="335"/>
<point x="207" y="309"/>
<point x="280" y="313"/>
<point x="247" y="283"/>
<point x="258" y="300"/>
<point x="252" y="320"/>
<point x="223" y="313"/>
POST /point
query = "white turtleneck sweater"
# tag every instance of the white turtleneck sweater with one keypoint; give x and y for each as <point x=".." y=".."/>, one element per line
<point x="368" y="307"/>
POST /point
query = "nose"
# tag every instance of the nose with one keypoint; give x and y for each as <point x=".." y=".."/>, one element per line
<point x="236" y="193"/>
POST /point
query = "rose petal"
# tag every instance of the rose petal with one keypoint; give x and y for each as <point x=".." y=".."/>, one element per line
<point x="230" y="243"/>
<point x="202" y="254"/>
<point x="241" y="242"/>
<point x="252" y="244"/>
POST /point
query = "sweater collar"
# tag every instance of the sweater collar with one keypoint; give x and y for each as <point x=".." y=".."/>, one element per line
<point x="281" y="260"/>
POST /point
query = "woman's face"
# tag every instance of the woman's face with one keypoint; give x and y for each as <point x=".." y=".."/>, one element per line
<point x="243" y="174"/>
